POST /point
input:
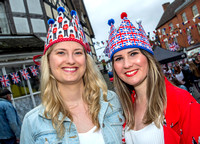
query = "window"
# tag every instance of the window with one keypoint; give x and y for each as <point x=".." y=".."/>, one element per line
<point x="184" y="18"/>
<point x="166" y="45"/>
<point x="195" y="10"/>
<point x="171" y="27"/>
<point x="21" y="88"/>
<point x="163" y="31"/>
<point x="4" y="28"/>
<point x="198" y="27"/>
<point x="189" y="37"/>
<point x="175" y="40"/>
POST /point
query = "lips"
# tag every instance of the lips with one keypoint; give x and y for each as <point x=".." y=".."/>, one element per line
<point x="131" y="73"/>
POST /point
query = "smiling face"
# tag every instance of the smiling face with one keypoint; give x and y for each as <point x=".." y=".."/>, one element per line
<point x="67" y="62"/>
<point x="131" y="66"/>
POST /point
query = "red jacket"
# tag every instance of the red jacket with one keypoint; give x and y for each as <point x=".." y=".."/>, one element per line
<point x="182" y="116"/>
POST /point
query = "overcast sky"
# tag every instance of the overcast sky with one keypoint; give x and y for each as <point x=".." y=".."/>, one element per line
<point x="100" y="11"/>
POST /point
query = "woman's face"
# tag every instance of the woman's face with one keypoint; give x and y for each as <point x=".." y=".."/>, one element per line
<point x="67" y="62"/>
<point x="131" y="66"/>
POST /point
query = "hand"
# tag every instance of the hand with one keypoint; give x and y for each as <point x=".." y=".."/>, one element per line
<point x="17" y="141"/>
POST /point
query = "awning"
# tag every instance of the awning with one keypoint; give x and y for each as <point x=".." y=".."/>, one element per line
<point x="165" y="56"/>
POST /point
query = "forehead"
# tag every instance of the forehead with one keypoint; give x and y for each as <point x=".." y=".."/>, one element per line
<point x="68" y="45"/>
<point x="127" y="50"/>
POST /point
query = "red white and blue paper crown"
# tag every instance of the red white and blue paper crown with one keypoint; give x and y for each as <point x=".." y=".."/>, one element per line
<point x="127" y="36"/>
<point x="64" y="29"/>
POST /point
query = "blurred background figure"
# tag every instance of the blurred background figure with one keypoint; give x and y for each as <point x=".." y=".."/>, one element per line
<point x="195" y="80"/>
<point x="10" y="125"/>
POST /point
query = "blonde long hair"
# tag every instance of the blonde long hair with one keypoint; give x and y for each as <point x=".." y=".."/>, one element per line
<point x="156" y="94"/>
<point x="53" y="102"/>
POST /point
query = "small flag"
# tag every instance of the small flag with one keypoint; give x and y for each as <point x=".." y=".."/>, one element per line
<point x="25" y="74"/>
<point x="34" y="70"/>
<point x="5" y="81"/>
<point x="15" y="77"/>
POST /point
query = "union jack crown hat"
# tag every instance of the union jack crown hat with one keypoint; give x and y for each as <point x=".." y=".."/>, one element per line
<point x="127" y="36"/>
<point x="64" y="29"/>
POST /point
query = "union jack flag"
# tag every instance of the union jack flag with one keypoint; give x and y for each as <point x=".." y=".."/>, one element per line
<point x="25" y="74"/>
<point x="15" y="77"/>
<point x="5" y="81"/>
<point x="34" y="70"/>
<point x="172" y="47"/>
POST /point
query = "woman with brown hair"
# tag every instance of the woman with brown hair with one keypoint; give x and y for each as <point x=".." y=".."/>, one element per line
<point x="156" y="111"/>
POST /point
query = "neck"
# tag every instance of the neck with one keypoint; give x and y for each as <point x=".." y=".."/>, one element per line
<point x="141" y="95"/>
<point x="72" y="94"/>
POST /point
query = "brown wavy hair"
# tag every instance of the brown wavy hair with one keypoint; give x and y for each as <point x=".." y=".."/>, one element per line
<point x="53" y="102"/>
<point x="156" y="94"/>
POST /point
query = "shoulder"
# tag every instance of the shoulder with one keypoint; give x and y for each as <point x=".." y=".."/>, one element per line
<point x="5" y="104"/>
<point x="113" y="98"/>
<point x="34" y="113"/>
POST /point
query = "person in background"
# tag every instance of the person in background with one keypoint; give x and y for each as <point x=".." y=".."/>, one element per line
<point x="76" y="105"/>
<point x="156" y="111"/>
<point x="196" y="61"/>
<point x="178" y="74"/>
<point x="195" y="80"/>
<point x="10" y="124"/>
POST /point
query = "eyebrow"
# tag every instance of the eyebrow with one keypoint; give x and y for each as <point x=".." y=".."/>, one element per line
<point x="128" y="52"/>
<point x="65" y="49"/>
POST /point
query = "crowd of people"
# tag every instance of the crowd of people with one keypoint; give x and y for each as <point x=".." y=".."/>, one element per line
<point x="185" y="75"/>
<point x="77" y="108"/>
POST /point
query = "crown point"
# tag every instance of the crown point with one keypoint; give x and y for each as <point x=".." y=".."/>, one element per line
<point x="51" y="21"/>
<point x="124" y="14"/>
<point x="73" y="12"/>
<point x="111" y="21"/>
<point x="138" y="21"/>
<point x="60" y="9"/>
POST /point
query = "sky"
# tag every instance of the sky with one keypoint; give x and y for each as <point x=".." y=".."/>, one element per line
<point x="100" y="11"/>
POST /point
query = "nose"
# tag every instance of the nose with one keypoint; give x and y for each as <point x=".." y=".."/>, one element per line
<point x="70" y="59"/>
<point x="127" y="63"/>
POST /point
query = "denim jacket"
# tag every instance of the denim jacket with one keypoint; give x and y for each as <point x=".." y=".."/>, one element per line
<point x="10" y="124"/>
<point x="36" y="129"/>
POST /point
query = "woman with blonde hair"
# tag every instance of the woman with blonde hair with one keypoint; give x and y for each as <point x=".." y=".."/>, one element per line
<point x="156" y="112"/>
<point x="76" y="105"/>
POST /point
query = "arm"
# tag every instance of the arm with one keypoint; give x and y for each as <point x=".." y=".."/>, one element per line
<point x="13" y="120"/>
<point x="190" y="118"/>
<point x="26" y="133"/>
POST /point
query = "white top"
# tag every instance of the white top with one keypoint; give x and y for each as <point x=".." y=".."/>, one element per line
<point x="180" y="77"/>
<point x="148" y="135"/>
<point x="91" y="137"/>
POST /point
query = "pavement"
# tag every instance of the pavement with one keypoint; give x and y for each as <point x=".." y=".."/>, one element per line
<point x="109" y="84"/>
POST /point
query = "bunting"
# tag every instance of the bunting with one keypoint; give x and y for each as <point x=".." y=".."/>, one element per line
<point x="15" y="77"/>
<point x="34" y="70"/>
<point x="25" y="74"/>
<point x="5" y="81"/>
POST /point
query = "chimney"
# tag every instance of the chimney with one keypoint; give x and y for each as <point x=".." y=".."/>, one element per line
<point x="165" y="5"/>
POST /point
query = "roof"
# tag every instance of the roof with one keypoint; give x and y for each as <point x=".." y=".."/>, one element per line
<point x="169" y="13"/>
<point x="165" y="56"/>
